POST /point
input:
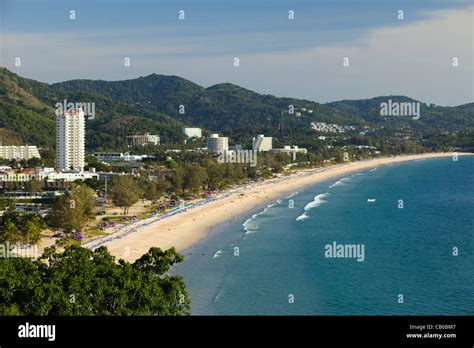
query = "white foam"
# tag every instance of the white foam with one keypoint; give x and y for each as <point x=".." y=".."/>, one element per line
<point x="317" y="201"/>
<point x="292" y="194"/>
<point x="339" y="182"/>
<point x="249" y="225"/>
<point x="302" y="217"/>
<point x="217" y="254"/>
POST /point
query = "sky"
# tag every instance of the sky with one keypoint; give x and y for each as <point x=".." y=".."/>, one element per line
<point x="301" y="57"/>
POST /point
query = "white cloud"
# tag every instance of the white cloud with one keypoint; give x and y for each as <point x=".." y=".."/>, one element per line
<point x="412" y="59"/>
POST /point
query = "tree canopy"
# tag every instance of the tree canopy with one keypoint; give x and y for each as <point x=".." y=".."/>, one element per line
<point x="87" y="282"/>
<point x="16" y="227"/>
<point x="73" y="210"/>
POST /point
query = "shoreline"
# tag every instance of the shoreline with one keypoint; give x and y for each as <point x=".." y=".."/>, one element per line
<point x="186" y="228"/>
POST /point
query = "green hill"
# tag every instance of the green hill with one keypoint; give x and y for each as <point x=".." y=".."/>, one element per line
<point x="152" y="103"/>
<point x="27" y="116"/>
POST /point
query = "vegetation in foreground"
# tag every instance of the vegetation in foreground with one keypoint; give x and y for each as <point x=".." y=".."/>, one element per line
<point x="80" y="281"/>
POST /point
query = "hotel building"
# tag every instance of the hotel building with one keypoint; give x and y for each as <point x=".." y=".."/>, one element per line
<point x="23" y="152"/>
<point x="70" y="141"/>
<point x="217" y="144"/>
<point x="262" y="143"/>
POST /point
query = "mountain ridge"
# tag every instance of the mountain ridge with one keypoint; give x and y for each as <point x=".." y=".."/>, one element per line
<point x="163" y="104"/>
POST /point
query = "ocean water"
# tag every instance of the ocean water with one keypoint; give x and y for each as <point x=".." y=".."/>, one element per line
<point x="274" y="262"/>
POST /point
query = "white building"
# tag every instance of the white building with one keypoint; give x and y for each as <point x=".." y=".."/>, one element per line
<point x="327" y="127"/>
<point x="153" y="139"/>
<point x="127" y="157"/>
<point x="262" y="143"/>
<point x="217" y="144"/>
<point x="291" y="149"/>
<point x="108" y="156"/>
<point x="70" y="142"/>
<point x="142" y="138"/>
<point x="23" y="152"/>
<point x="118" y="156"/>
<point x="50" y="174"/>
<point x="193" y="132"/>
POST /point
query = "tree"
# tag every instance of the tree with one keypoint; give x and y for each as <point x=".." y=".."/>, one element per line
<point x="152" y="191"/>
<point x="98" y="285"/>
<point x="16" y="227"/>
<point x="177" y="179"/>
<point x="73" y="210"/>
<point x="194" y="177"/>
<point x="33" y="186"/>
<point x="124" y="192"/>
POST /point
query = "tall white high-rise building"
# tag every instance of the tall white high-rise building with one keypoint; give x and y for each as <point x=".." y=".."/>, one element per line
<point x="70" y="141"/>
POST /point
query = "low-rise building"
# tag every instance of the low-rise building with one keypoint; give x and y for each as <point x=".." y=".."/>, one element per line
<point x="327" y="127"/>
<point x="142" y="138"/>
<point x="262" y="143"/>
<point x="49" y="174"/>
<point x="108" y="156"/>
<point x="193" y="132"/>
<point x="43" y="174"/>
<point x="291" y="149"/>
<point x="22" y="152"/>
<point x="13" y="175"/>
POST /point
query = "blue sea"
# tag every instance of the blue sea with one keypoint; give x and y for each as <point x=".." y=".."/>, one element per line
<point x="417" y="239"/>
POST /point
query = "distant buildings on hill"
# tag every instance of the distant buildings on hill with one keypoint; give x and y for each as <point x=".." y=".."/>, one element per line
<point x="192" y="132"/>
<point x="22" y="152"/>
<point x="217" y="144"/>
<point x="142" y="138"/>
<point x="330" y="128"/>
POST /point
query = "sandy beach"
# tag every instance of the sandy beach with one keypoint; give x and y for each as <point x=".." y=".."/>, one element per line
<point x="185" y="229"/>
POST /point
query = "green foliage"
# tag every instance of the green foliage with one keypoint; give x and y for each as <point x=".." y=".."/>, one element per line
<point x="125" y="192"/>
<point x="73" y="210"/>
<point x="16" y="227"/>
<point x="33" y="186"/>
<point x="80" y="281"/>
<point x="152" y="103"/>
